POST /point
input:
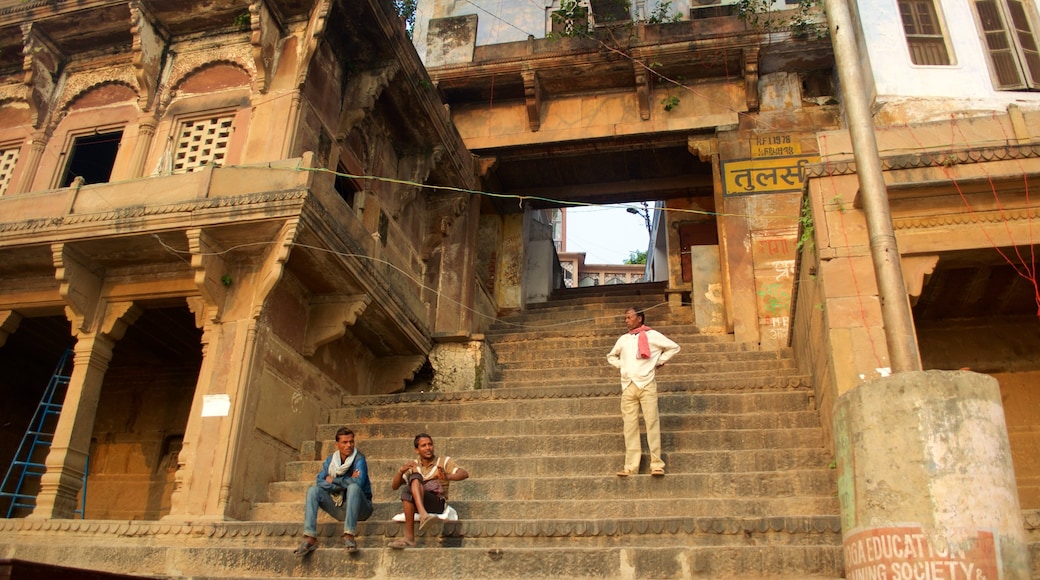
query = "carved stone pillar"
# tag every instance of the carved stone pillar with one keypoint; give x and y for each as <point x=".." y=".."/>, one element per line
<point x="145" y="132"/>
<point x="207" y="484"/>
<point x="38" y="142"/>
<point x="67" y="460"/>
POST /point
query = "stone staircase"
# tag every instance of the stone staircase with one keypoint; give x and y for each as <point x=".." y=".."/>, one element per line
<point x="748" y="493"/>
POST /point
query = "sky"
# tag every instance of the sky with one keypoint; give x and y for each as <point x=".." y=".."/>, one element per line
<point x="607" y="234"/>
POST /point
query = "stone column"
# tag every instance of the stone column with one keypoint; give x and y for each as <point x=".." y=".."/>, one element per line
<point x="145" y="131"/>
<point x="925" y="479"/>
<point x="67" y="460"/>
<point x="32" y="162"/>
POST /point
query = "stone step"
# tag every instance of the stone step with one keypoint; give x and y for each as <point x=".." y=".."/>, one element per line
<point x="564" y="426"/>
<point x="711" y="461"/>
<point x="691" y="547"/>
<point x="594" y="352"/>
<point x="513" y="447"/>
<point x="631" y="505"/>
<point x="680" y="333"/>
<point x="612" y="319"/>
<point x="735" y="380"/>
<point x="511" y="404"/>
<point x="606" y="486"/>
<point x="590" y="369"/>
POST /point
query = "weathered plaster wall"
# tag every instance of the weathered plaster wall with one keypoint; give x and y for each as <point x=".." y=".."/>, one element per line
<point x="594" y="115"/>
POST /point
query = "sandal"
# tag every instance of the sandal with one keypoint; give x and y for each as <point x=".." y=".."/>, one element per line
<point x="350" y="544"/>
<point x="425" y="521"/>
<point x="305" y="548"/>
<point x="401" y="543"/>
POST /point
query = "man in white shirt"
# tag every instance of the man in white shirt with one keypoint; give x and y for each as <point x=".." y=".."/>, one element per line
<point x="638" y="354"/>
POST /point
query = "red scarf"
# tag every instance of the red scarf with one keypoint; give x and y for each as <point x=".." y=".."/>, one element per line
<point x="642" y="341"/>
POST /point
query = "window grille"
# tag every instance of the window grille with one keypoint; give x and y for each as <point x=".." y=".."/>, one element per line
<point x="8" y="159"/>
<point x="202" y="142"/>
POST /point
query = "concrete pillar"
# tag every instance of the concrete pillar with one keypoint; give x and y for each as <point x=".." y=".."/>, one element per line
<point x="925" y="479"/>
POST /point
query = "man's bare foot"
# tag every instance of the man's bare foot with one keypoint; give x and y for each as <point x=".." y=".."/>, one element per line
<point x="401" y="543"/>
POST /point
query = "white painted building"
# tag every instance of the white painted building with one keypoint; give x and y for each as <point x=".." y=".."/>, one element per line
<point x="927" y="58"/>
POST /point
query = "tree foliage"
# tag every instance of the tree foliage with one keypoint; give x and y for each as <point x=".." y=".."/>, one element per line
<point x="406" y="10"/>
<point x="636" y="257"/>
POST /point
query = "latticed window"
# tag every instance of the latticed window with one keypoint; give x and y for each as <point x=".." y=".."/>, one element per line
<point x="8" y="158"/>
<point x="924" y="36"/>
<point x="1011" y="43"/>
<point x="202" y="142"/>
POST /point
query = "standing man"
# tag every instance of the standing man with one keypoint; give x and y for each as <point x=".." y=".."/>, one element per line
<point x="342" y="489"/>
<point x="638" y="354"/>
<point x="425" y="492"/>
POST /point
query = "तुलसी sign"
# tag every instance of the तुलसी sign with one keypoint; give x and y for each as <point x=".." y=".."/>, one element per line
<point x="773" y="175"/>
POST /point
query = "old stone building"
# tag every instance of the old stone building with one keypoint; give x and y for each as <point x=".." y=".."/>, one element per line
<point x="176" y="209"/>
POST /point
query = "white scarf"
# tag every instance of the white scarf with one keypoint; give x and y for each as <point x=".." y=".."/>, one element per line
<point x="339" y="467"/>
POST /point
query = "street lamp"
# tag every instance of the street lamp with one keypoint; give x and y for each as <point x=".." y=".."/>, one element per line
<point x="645" y="212"/>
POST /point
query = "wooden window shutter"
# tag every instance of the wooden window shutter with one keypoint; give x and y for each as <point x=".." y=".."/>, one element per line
<point x="1010" y="42"/>
<point x="924" y="36"/>
<point x="1026" y="41"/>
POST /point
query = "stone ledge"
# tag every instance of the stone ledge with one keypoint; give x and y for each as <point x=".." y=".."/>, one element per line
<point x="461" y="528"/>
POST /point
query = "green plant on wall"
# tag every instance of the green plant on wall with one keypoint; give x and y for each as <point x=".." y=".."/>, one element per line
<point x="670" y="102"/>
<point x="805" y="223"/>
<point x="663" y="13"/>
<point x="806" y="20"/>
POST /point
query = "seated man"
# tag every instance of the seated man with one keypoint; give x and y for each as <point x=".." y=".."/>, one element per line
<point x="425" y="487"/>
<point x="343" y="477"/>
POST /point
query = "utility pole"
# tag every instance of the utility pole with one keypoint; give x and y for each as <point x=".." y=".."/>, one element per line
<point x="895" y="308"/>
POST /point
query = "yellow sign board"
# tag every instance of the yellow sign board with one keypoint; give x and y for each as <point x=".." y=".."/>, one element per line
<point x="775" y="146"/>
<point x="775" y="175"/>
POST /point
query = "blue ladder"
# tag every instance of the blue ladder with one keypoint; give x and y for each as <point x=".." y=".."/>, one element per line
<point x="27" y="464"/>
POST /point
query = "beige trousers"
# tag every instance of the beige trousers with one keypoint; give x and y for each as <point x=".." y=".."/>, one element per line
<point x="632" y="399"/>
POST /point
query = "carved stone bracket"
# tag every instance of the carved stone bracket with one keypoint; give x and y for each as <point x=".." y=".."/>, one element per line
<point x="414" y="168"/>
<point x="704" y="149"/>
<point x="149" y="43"/>
<point x="391" y="372"/>
<point x="362" y="94"/>
<point x="41" y="61"/>
<point x="9" y="321"/>
<point x="642" y="89"/>
<point x="267" y="31"/>
<point x="274" y="264"/>
<point x="328" y="318"/>
<point x="533" y="97"/>
<point x="750" y="58"/>
<point x="117" y="317"/>
<point x="315" y="28"/>
<point x="916" y="270"/>
<point x="209" y="267"/>
<point x="443" y="212"/>
<point x="80" y="287"/>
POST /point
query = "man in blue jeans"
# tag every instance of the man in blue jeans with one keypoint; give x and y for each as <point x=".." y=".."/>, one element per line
<point x="342" y="489"/>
